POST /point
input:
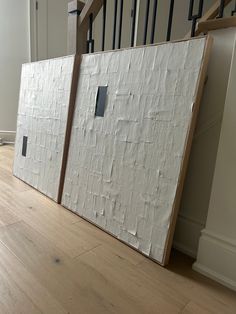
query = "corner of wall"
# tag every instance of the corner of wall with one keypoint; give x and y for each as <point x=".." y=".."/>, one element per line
<point x="187" y="233"/>
<point x="198" y="183"/>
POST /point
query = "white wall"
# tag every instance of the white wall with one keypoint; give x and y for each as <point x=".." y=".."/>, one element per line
<point x="217" y="250"/>
<point x="50" y="28"/>
<point x="15" y="50"/>
<point x="198" y="184"/>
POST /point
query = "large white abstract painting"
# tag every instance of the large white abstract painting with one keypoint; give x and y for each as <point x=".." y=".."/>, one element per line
<point x="125" y="165"/>
<point x="45" y="96"/>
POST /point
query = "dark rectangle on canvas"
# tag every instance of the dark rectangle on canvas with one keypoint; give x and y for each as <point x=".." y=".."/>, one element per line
<point x="101" y="101"/>
<point x="24" y="146"/>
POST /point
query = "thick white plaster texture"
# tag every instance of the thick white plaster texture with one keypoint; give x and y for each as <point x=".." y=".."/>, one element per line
<point x="123" y="168"/>
<point x="42" y="116"/>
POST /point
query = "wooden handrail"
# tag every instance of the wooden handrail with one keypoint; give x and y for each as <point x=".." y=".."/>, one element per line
<point x="91" y="7"/>
<point x="210" y="14"/>
<point x="214" y="24"/>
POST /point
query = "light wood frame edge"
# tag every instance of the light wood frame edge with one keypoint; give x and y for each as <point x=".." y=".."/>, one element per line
<point x="70" y="116"/>
<point x="187" y="149"/>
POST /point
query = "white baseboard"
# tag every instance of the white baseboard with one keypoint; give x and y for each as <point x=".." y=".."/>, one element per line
<point x="187" y="234"/>
<point x="8" y="136"/>
<point x="184" y="249"/>
<point x="225" y="281"/>
<point x="217" y="258"/>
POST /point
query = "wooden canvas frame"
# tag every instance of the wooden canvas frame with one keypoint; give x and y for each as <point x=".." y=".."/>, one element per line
<point x="188" y="145"/>
<point x="189" y="138"/>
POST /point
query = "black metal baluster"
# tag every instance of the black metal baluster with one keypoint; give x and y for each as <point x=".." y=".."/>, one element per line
<point x="194" y="17"/>
<point x="134" y="9"/>
<point x="114" y="26"/>
<point x="104" y="23"/>
<point x="146" y="22"/>
<point x="190" y="10"/>
<point x="90" y="41"/>
<point x="154" y="21"/>
<point x="234" y="10"/>
<point x="170" y="20"/>
<point x="221" y="9"/>
<point x="121" y="20"/>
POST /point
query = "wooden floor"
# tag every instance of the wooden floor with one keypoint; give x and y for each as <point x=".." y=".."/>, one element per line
<point x="52" y="261"/>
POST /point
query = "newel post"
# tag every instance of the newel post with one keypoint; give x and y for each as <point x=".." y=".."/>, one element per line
<point x="76" y="42"/>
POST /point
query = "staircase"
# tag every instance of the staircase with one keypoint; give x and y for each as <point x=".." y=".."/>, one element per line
<point x="146" y="22"/>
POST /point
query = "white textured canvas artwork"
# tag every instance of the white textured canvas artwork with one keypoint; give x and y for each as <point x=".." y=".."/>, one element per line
<point x="41" y="123"/>
<point x="124" y="164"/>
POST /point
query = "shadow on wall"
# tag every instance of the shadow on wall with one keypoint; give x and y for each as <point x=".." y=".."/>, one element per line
<point x="198" y="184"/>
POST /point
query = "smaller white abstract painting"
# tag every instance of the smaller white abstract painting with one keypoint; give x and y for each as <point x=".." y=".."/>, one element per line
<point x="41" y="123"/>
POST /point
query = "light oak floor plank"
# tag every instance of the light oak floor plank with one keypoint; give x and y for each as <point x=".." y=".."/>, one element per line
<point x="52" y="261"/>
<point x="20" y="291"/>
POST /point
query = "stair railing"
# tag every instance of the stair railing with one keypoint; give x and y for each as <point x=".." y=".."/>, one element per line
<point x="81" y="18"/>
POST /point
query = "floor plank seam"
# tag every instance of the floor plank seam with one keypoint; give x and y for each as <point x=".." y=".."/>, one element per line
<point x="87" y="251"/>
